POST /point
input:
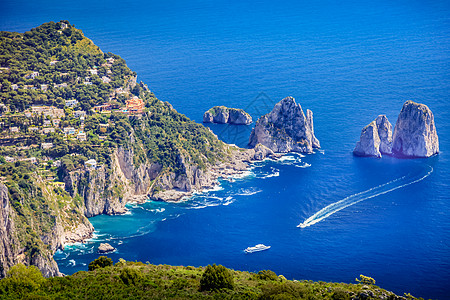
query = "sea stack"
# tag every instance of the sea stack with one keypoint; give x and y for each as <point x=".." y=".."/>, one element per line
<point x="225" y="115"/>
<point x="286" y="129"/>
<point x="415" y="132"/>
<point x="105" y="248"/>
<point x="376" y="138"/>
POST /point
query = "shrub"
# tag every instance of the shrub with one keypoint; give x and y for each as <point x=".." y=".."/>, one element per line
<point x="130" y="275"/>
<point x="267" y="275"/>
<point x="340" y="294"/>
<point x="365" y="279"/>
<point x="100" y="262"/>
<point x="216" y="277"/>
<point x="22" y="280"/>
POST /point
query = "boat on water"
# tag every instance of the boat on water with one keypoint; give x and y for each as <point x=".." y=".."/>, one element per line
<point x="259" y="247"/>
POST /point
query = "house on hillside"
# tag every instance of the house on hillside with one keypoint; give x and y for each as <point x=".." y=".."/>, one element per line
<point x="45" y="146"/>
<point x="32" y="75"/>
<point x="79" y="114"/>
<point x="91" y="164"/>
<point x="135" y="105"/>
<point x="102" y="108"/>
<point x="69" y="130"/>
<point x="71" y="103"/>
<point x="14" y="129"/>
<point x="82" y="136"/>
<point x="46" y="130"/>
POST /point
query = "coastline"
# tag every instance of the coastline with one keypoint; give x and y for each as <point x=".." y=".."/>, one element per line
<point x="238" y="164"/>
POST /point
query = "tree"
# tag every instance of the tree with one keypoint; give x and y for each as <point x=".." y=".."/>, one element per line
<point x="365" y="279"/>
<point x="22" y="280"/>
<point x="216" y="278"/>
<point x="100" y="262"/>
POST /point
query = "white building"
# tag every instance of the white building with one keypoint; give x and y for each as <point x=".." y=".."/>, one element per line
<point x="71" y="103"/>
<point x="46" y="146"/>
<point x="92" y="163"/>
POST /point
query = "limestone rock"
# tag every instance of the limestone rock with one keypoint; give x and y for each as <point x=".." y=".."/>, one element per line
<point x="415" y="132"/>
<point x="286" y="129"/>
<point x="105" y="248"/>
<point x="385" y="133"/>
<point x="376" y="138"/>
<point x="225" y="115"/>
<point x="369" y="142"/>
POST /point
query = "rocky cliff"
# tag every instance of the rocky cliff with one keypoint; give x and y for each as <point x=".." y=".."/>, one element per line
<point x="225" y="115"/>
<point x="286" y="129"/>
<point x="415" y="132"/>
<point x="170" y="186"/>
<point x="15" y="244"/>
<point x="376" y="138"/>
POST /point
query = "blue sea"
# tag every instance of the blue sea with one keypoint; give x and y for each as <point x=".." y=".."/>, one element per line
<point x="347" y="61"/>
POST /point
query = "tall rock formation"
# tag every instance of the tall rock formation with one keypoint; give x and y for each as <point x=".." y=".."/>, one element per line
<point x="225" y="115"/>
<point x="286" y="129"/>
<point x="415" y="132"/>
<point x="376" y="138"/>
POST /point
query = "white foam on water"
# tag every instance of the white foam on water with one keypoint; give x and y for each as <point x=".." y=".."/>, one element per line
<point x="305" y="165"/>
<point x="71" y="263"/>
<point x="368" y="194"/>
<point x="248" y="192"/>
<point x="228" y="201"/>
<point x="242" y="175"/>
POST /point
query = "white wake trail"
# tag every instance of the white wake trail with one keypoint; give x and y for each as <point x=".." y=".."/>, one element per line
<point x="370" y="193"/>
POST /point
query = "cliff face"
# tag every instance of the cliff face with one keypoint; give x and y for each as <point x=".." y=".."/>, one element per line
<point x="223" y="115"/>
<point x="8" y="235"/>
<point x="13" y="250"/>
<point x="107" y="191"/>
<point x="174" y="187"/>
<point x="376" y="138"/>
<point x="415" y="132"/>
<point x="286" y="129"/>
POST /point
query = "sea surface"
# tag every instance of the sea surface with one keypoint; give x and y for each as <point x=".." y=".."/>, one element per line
<point x="347" y="61"/>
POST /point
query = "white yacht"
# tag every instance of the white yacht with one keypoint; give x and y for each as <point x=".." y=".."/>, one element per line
<point x="259" y="247"/>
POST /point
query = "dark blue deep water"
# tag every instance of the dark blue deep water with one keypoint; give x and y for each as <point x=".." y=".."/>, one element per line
<point x="347" y="61"/>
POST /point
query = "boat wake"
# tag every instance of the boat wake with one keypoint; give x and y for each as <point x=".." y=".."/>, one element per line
<point x="370" y="193"/>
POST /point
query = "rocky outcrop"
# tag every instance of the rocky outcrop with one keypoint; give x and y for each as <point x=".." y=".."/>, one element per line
<point x="376" y="138"/>
<point x="415" y="132"/>
<point x="11" y="250"/>
<point x="172" y="187"/>
<point x="9" y="243"/>
<point x="286" y="129"/>
<point x="225" y="115"/>
<point x="105" y="248"/>
<point x="384" y="128"/>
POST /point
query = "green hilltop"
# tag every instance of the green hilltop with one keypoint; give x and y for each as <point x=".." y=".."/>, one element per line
<point x="135" y="280"/>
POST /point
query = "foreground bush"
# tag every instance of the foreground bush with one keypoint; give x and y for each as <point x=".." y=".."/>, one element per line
<point x="216" y="278"/>
<point x="100" y="262"/>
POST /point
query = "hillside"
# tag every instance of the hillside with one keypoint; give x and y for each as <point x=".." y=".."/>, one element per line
<point x="80" y="137"/>
<point x="134" y="280"/>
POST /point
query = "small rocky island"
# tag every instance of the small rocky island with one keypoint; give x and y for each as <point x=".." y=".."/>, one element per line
<point x="105" y="248"/>
<point x="226" y="115"/>
<point x="414" y="134"/>
<point x="376" y="138"/>
<point x="286" y="129"/>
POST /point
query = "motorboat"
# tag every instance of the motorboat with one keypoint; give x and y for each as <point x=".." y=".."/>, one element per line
<point x="259" y="247"/>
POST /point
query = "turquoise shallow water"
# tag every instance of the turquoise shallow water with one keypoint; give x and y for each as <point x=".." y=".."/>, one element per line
<point x="347" y="62"/>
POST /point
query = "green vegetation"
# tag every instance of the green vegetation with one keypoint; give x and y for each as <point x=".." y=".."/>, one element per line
<point x="216" y="278"/>
<point x="135" y="280"/>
